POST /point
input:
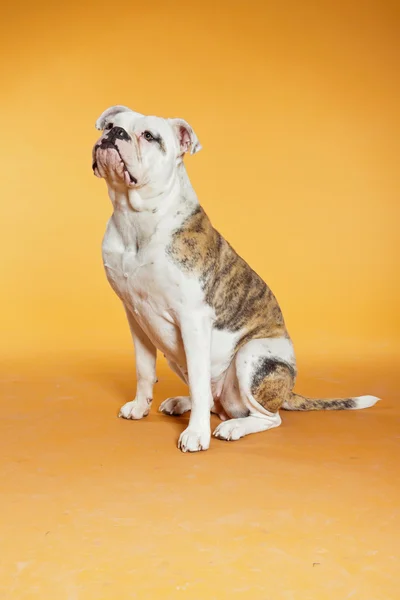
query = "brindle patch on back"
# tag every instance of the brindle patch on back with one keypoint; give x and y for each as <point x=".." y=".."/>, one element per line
<point x="240" y="298"/>
<point x="272" y="382"/>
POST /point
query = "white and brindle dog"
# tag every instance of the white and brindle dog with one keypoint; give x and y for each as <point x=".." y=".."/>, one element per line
<point x="186" y="291"/>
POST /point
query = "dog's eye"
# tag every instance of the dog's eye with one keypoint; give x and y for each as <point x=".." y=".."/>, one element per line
<point x="147" y="136"/>
<point x="110" y="126"/>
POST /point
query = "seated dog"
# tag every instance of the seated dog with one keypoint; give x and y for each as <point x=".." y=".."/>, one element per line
<point x="187" y="293"/>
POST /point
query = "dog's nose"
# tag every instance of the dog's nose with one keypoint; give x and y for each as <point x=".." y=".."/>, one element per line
<point x="118" y="133"/>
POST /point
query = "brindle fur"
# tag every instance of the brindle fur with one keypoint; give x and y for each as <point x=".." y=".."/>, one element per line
<point x="300" y="403"/>
<point x="272" y="382"/>
<point x="242" y="302"/>
<point x="240" y="298"/>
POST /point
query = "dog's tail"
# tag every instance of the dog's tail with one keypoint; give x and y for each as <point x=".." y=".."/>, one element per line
<point x="296" y="402"/>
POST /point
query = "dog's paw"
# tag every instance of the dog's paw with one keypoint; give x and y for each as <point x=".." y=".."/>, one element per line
<point x="230" y="430"/>
<point x="135" y="410"/>
<point x="175" y="406"/>
<point x="193" y="441"/>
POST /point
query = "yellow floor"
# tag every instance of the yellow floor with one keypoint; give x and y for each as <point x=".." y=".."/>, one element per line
<point x="97" y="508"/>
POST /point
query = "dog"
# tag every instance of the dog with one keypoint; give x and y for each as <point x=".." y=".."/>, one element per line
<point x="187" y="293"/>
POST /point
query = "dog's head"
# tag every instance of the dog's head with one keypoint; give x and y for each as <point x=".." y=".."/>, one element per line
<point x="138" y="151"/>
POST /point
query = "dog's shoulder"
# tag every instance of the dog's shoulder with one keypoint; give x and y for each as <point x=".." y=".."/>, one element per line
<point x="239" y="296"/>
<point x="194" y="243"/>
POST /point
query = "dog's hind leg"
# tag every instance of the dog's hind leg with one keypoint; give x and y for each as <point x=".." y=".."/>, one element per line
<point x="262" y="377"/>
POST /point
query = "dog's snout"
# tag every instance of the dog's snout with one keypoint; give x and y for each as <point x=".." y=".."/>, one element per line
<point x="118" y="133"/>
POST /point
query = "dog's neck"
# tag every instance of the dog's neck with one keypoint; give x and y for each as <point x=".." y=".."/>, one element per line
<point x="138" y="218"/>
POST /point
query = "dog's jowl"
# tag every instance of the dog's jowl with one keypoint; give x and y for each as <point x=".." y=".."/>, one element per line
<point x="187" y="293"/>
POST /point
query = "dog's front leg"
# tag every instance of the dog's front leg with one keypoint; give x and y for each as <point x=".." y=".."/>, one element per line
<point x="196" y="335"/>
<point x="145" y="358"/>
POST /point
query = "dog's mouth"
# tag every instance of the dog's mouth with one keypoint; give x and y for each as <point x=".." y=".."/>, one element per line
<point x="129" y="179"/>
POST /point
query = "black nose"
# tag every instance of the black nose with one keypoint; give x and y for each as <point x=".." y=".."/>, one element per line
<point x="118" y="133"/>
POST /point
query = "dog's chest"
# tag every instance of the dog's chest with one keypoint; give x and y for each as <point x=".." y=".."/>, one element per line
<point x="155" y="291"/>
<point x="149" y="285"/>
<point x="139" y="277"/>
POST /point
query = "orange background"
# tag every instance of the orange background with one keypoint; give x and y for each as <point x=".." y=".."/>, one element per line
<point x="296" y="108"/>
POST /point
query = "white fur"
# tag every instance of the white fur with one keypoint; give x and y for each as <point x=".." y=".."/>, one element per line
<point x="365" y="401"/>
<point x="196" y="328"/>
<point x="234" y="429"/>
<point x="279" y="348"/>
<point x="109" y="113"/>
<point x="223" y="344"/>
<point x="133" y="410"/>
<point x="176" y="406"/>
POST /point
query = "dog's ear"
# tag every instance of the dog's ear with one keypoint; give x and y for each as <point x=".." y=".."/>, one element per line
<point x="108" y="114"/>
<point x="187" y="139"/>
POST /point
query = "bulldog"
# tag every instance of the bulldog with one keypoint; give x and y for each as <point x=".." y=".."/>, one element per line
<point x="187" y="293"/>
